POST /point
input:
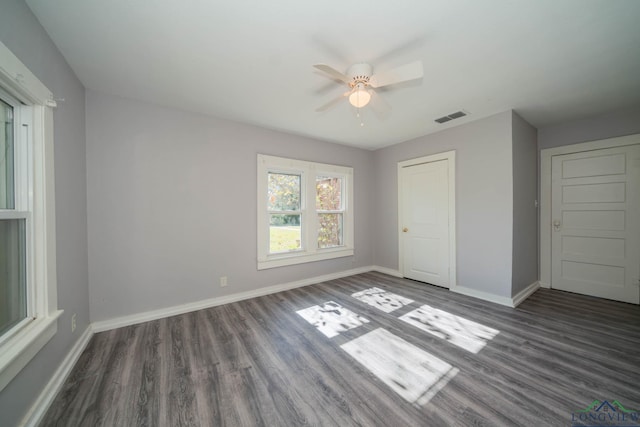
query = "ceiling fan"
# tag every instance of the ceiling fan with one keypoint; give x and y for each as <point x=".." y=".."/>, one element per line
<point x="361" y="81"/>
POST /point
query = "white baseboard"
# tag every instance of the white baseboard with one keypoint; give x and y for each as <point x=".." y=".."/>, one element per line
<point x="508" y="302"/>
<point x="42" y="404"/>
<point x="486" y="296"/>
<point x="544" y="285"/>
<point x="518" y="298"/>
<point x="385" y="270"/>
<point x="119" y="322"/>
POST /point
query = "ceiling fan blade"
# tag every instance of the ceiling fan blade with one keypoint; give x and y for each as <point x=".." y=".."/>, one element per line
<point x="409" y="45"/>
<point x="334" y="50"/>
<point x="332" y="103"/>
<point x="379" y="106"/>
<point x="327" y="87"/>
<point x="403" y="73"/>
<point x="332" y="72"/>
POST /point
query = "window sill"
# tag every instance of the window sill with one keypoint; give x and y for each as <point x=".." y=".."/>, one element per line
<point x="282" y="260"/>
<point x="16" y="352"/>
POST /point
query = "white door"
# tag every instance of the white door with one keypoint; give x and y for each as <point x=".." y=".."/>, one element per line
<point x="595" y="242"/>
<point x="424" y="222"/>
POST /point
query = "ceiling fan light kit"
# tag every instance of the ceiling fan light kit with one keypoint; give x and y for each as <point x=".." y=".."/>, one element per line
<point x="359" y="97"/>
<point x="359" y="75"/>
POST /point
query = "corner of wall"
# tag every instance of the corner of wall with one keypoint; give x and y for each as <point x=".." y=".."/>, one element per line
<point x="525" y="211"/>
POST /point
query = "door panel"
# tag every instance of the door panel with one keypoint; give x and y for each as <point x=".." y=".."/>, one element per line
<point x="594" y="193"/>
<point x="611" y="220"/>
<point x="424" y="256"/>
<point x="596" y="223"/>
<point x="425" y="211"/>
<point x="593" y="247"/>
<point x="590" y="273"/>
<point x="594" y="166"/>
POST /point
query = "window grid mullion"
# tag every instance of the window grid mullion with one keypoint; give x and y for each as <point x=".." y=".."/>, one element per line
<point x="329" y="212"/>
<point x="310" y="206"/>
<point x="24" y="166"/>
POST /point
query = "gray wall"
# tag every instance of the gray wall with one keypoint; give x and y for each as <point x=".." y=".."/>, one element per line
<point x="172" y="205"/>
<point x="611" y="125"/>
<point x="484" y="200"/>
<point x="23" y="35"/>
<point x="525" y="214"/>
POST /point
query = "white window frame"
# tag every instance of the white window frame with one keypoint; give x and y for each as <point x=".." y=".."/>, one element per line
<point x="19" y="345"/>
<point x="309" y="251"/>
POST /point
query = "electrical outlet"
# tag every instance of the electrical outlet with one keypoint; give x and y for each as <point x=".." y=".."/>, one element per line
<point x="73" y="323"/>
<point x="223" y="281"/>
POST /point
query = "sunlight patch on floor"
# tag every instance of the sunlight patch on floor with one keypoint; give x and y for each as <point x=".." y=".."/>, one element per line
<point x="411" y="372"/>
<point x="381" y="299"/>
<point x="457" y="330"/>
<point x="331" y="318"/>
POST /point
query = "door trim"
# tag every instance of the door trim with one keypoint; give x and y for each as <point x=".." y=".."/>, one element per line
<point x="545" y="219"/>
<point x="450" y="157"/>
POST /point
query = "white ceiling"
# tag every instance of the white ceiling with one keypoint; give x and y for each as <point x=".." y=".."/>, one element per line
<point x="251" y="60"/>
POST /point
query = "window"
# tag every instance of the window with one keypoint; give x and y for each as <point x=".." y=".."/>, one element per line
<point x="28" y="302"/>
<point x="329" y="205"/>
<point x="284" y="206"/>
<point x="304" y="211"/>
<point x="13" y="219"/>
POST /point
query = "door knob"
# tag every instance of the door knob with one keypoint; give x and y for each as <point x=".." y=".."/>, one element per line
<point x="404" y="230"/>
<point x="556" y="225"/>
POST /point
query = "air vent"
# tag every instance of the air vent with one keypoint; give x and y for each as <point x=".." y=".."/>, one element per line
<point x="451" y="116"/>
<point x="443" y="119"/>
<point x="457" y="115"/>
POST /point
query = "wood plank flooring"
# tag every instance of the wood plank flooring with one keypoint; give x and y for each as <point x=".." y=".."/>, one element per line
<point x="259" y="363"/>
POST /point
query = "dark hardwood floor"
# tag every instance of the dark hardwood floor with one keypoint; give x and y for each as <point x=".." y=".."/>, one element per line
<point x="260" y="363"/>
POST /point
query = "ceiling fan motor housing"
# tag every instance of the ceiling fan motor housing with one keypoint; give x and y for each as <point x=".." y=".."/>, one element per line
<point x="359" y="73"/>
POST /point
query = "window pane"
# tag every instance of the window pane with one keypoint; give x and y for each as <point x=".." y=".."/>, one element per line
<point x="6" y="156"/>
<point x="13" y="288"/>
<point x="328" y="193"/>
<point x="284" y="192"/>
<point x="284" y="233"/>
<point x="329" y="230"/>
